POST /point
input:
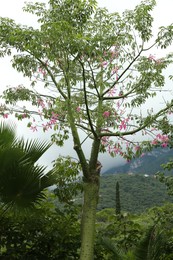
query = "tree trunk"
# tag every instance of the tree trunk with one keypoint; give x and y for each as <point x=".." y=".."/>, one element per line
<point x="91" y="192"/>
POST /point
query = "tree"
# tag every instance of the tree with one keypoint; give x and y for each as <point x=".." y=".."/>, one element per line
<point x="22" y="179"/>
<point x="98" y="73"/>
<point x="118" y="205"/>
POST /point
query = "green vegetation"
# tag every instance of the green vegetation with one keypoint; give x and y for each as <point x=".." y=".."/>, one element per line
<point x="44" y="233"/>
<point x="137" y="237"/>
<point x="137" y="192"/>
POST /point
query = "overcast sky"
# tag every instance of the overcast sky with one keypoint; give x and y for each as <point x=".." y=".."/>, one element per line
<point x="13" y="9"/>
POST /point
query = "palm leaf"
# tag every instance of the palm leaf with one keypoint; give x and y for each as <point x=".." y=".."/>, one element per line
<point x="111" y="247"/>
<point x="151" y="246"/>
<point x="7" y="134"/>
<point x="34" y="149"/>
<point x="22" y="182"/>
<point x="23" y="186"/>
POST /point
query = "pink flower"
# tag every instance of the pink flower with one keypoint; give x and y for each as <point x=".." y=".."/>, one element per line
<point x="154" y="142"/>
<point x="159" y="61"/>
<point x="42" y="71"/>
<point x="5" y="115"/>
<point x="104" y="64"/>
<point x="123" y="124"/>
<point x="105" y="140"/>
<point x="115" y="70"/>
<point x="41" y="103"/>
<point x="162" y="138"/>
<point x="54" y="116"/>
<point x="112" y="92"/>
<point x="33" y="128"/>
<point x="116" y="150"/>
<point x="164" y="145"/>
<point x="118" y="104"/>
<point x="46" y="127"/>
<point x="137" y="147"/>
<point x="24" y="115"/>
<point x="78" y="109"/>
<point x="152" y="57"/>
<point x="106" y="114"/>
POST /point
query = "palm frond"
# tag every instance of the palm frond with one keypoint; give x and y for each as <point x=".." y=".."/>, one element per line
<point x="112" y="248"/>
<point x="151" y="246"/>
<point x="24" y="186"/>
<point x="34" y="149"/>
<point x="7" y="134"/>
<point x="22" y="182"/>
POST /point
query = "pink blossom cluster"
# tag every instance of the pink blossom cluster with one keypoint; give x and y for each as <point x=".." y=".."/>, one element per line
<point x="105" y="140"/>
<point x="109" y="56"/>
<point x="49" y="124"/>
<point x="117" y="150"/>
<point x="106" y="114"/>
<point x="163" y="139"/>
<point x="112" y="92"/>
<point x="123" y="124"/>
<point x="104" y="64"/>
<point x="78" y="109"/>
<point x="42" y="71"/>
<point x="115" y="71"/>
<point x="114" y="52"/>
<point x="153" y="58"/>
<point x="33" y="128"/>
<point x="41" y="103"/>
<point x="5" y="115"/>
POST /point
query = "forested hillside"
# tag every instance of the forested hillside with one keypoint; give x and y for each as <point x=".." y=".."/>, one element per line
<point x="137" y="192"/>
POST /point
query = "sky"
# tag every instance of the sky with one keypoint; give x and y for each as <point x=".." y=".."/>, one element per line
<point x="9" y="77"/>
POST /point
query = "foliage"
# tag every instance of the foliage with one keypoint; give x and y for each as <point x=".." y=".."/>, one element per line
<point x="167" y="180"/>
<point x="22" y="179"/>
<point x="45" y="233"/>
<point x="67" y="180"/>
<point x="146" y="236"/>
<point x="137" y="192"/>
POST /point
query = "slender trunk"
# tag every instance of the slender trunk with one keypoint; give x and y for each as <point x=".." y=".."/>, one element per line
<point x="91" y="191"/>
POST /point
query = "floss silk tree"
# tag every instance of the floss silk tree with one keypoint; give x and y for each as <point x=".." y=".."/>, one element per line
<point x="90" y="71"/>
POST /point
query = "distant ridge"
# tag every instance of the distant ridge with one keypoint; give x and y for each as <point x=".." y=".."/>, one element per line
<point x="147" y="164"/>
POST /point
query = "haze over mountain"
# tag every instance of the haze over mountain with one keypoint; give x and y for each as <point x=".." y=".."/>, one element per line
<point x="149" y="164"/>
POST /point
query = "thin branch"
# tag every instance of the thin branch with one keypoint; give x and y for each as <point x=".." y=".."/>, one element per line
<point x="93" y="78"/>
<point x="86" y="101"/>
<point x="85" y="138"/>
<point x="120" y="134"/>
<point x="121" y="75"/>
<point x="49" y="72"/>
<point x="120" y="97"/>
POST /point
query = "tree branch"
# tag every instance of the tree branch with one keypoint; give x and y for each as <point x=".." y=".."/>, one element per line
<point x="138" y="129"/>
<point x="124" y="71"/>
<point x="86" y="101"/>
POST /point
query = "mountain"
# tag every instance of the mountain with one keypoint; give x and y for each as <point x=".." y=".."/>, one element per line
<point x="149" y="163"/>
